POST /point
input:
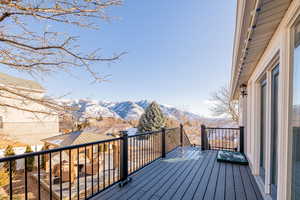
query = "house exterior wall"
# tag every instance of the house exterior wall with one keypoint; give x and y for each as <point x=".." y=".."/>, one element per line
<point x="27" y="127"/>
<point x="278" y="51"/>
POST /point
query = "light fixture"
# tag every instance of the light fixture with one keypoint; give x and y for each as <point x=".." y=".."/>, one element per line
<point x="243" y="90"/>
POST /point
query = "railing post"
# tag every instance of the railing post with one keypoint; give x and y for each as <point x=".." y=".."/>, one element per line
<point x="203" y="145"/>
<point x="124" y="159"/>
<point x="163" y="142"/>
<point x="241" y="139"/>
<point x="181" y="135"/>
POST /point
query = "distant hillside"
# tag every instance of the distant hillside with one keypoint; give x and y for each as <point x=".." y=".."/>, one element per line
<point x="132" y="111"/>
<point x="127" y="110"/>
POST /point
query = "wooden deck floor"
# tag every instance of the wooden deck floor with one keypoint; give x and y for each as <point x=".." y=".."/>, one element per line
<point x="188" y="173"/>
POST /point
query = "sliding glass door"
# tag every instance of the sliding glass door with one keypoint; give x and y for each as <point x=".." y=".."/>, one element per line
<point x="295" y="117"/>
<point x="263" y="111"/>
<point x="274" y="132"/>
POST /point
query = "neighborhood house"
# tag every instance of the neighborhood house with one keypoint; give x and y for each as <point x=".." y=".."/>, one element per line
<point x="22" y="125"/>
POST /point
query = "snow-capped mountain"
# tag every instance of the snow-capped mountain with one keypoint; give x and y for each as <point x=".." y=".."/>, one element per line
<point x="127" y="110"/>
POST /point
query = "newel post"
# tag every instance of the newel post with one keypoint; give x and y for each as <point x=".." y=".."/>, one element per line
<point x="181" y="135"/>
<point x="163" y="142"/>
<point x="241" y="139"/>
<point x="203" y="145"/>
<point x="124" y="159"/>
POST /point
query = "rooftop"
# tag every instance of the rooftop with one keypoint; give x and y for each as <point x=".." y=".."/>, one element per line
<point x="12" y="81"/>
<point x="76" y="137"/>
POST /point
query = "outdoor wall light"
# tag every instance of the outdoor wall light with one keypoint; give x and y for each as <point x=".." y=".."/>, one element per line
<point x="243" y="90"/>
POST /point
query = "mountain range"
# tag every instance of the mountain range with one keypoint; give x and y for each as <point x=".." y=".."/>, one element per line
<point x="127" y="110"/>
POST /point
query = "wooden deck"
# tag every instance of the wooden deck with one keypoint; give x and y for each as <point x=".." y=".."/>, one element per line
<point x="188" y="173"/>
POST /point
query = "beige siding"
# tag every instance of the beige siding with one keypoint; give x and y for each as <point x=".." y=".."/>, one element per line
<point x="278" y="51"/>
<point x="30" y="132"/>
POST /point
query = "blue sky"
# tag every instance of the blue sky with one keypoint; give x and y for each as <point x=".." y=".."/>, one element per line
<point x="179" y="52"/>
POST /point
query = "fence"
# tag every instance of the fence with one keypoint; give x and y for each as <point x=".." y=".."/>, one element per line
<point x="81" y="171"/>
<point x="230" y="139"/>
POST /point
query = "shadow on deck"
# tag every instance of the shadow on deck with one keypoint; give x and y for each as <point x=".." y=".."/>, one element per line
<point x="188" y="173"/>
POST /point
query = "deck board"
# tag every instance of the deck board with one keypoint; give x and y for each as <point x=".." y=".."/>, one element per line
<point x="152" y="190"/>
<point x="239" y="187"/>
<point x="220" y="188"/>
<point x="188" y="173"/>
<point x="229" y="186"/>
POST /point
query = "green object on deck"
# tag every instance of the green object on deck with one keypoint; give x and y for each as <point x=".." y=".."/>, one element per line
<point x="232" y="157"/>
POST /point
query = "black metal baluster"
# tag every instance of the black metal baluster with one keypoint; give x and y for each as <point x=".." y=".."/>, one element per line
<point x="70" y="175"/>
<point x="222" y="135"/>
<point x="135" y="153"/>
<point x="25" y="178"/>
<point x="143" y="153"/>
<point x="119" y="158"/>
<point x="156" y="144"/>
<point x="139" y="153"/>
<point x="113" y="161"/>
<point x="232" y="140"/>
<point x="225" y="139"/>
<point x="228" y="143"/>
<point x="228" y="139"/>
<point x="211" y="140"/>
<point x="60" y="176"/>
<point x="141" y="145"/>
<point x="78" y="191"/>
<point x="10" y="180"/>
<point x="131" y="161"/>
<point x="98" y="160"/>
<point x="39" y="178"/>
<point x="85" y="195"/>
<point x="151" y="146"/>
<point x="214" y="133"/>
<point x="217" y="135"/>
<point x="219" y="141"/>
<point x="147" y="150"/>
<point x="104" y="165"/>
<point x="109" y="167"/>
<point x="141" y="150"/>
<point x="50" y="175"/>
<point x="148" y="144"/>
<point x="92" y="157"/>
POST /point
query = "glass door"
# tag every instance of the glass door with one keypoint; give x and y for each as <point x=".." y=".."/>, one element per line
<point x="263" y="106"/>
<point x="274" y="132"/>
<point x="295" y="117"/>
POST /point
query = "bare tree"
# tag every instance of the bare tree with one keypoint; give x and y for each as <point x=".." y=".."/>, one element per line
<point x="223" y="105"/>
<point x="39" y="50"/>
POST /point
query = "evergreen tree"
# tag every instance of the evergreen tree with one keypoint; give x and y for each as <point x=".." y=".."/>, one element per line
<point x="30" y="160"/>
<point x="153" y="118"/>
<point x="9" y="151"/>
